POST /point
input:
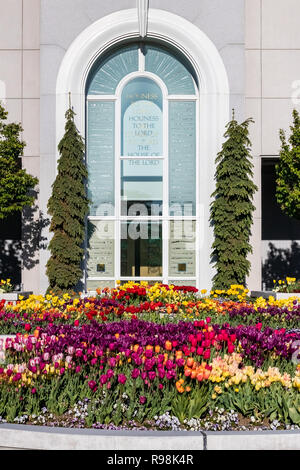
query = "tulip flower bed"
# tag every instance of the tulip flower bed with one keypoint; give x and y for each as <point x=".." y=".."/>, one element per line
<point x="159" y="303"/>
<point x="134" y="371"/>
<point x="152" y="357"/>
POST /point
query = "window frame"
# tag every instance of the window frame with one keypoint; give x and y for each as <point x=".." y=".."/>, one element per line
<point x="165" y="218"/>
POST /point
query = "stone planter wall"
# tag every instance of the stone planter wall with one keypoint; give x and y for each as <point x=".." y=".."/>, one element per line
<point x="276" y="295"/>
<point x="14" y="296"/>
<point x="21" y="437"/>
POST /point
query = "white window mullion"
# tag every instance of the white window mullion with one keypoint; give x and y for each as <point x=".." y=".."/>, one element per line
<point x="166" y="211"/>
<point x="199" y="242"/>
<point x="118" y="187"/>
<point x="101" y="97"/>
<point x="141" y="60"/>
<point x="165" y="250"/>
<point x="182" y="97"/>
<point x="85" y="267"/>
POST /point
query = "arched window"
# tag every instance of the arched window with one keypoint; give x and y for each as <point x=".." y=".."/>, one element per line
<point x="142" y="146"/>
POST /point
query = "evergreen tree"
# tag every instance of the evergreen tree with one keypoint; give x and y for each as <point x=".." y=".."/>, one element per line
<point x="15" y="182"/>
<point x="68" y="206"/>
<point x="232" y="207"/>
<point x="288" y="170"/>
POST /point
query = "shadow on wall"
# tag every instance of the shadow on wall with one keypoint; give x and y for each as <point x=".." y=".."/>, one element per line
<point x="281" y="262"/>
<point x="32" y="239"/>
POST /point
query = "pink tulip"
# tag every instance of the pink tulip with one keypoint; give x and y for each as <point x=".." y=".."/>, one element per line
<point x="135" y="373"/>
<point x="93" y="386"/>
<point x="122" y="379"/>
<point x="112" y="362"/>
<point x="151" y="375"/>
<point x="103" y="379"/>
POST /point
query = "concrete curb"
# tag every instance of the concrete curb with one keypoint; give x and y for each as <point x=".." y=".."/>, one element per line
<point x="28" y="437"/>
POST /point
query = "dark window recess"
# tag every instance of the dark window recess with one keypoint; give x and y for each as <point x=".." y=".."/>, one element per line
<point x="282" y="257"/>
<point x="10" y="228"/>
<point x="10" y="249"/>
<point x="275" y="224"/>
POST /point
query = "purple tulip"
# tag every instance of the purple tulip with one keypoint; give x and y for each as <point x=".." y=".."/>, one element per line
<point x="151" y="375"/>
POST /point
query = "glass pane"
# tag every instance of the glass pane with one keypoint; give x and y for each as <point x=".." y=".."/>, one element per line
<point x="170" y="69"/>
<point x="107" y="74"/>
<point x="182" y="256"/>
<point x="142" y="119"/>
<point x="183" y="283"/>
<point x="100" y="248"/>
<point x="182" y="158"/>
<point x="101" y="157"/>
<point x="141" y="187"/>
<point x="141" y="249"/>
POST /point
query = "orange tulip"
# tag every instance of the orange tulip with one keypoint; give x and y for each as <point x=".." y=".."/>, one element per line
<point x="180" y="389"/>
<point x="189" y="361"/>
<point x="168" y="345"/>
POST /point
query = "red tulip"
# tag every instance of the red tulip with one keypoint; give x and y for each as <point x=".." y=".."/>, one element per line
<point x="206" y="354"/>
